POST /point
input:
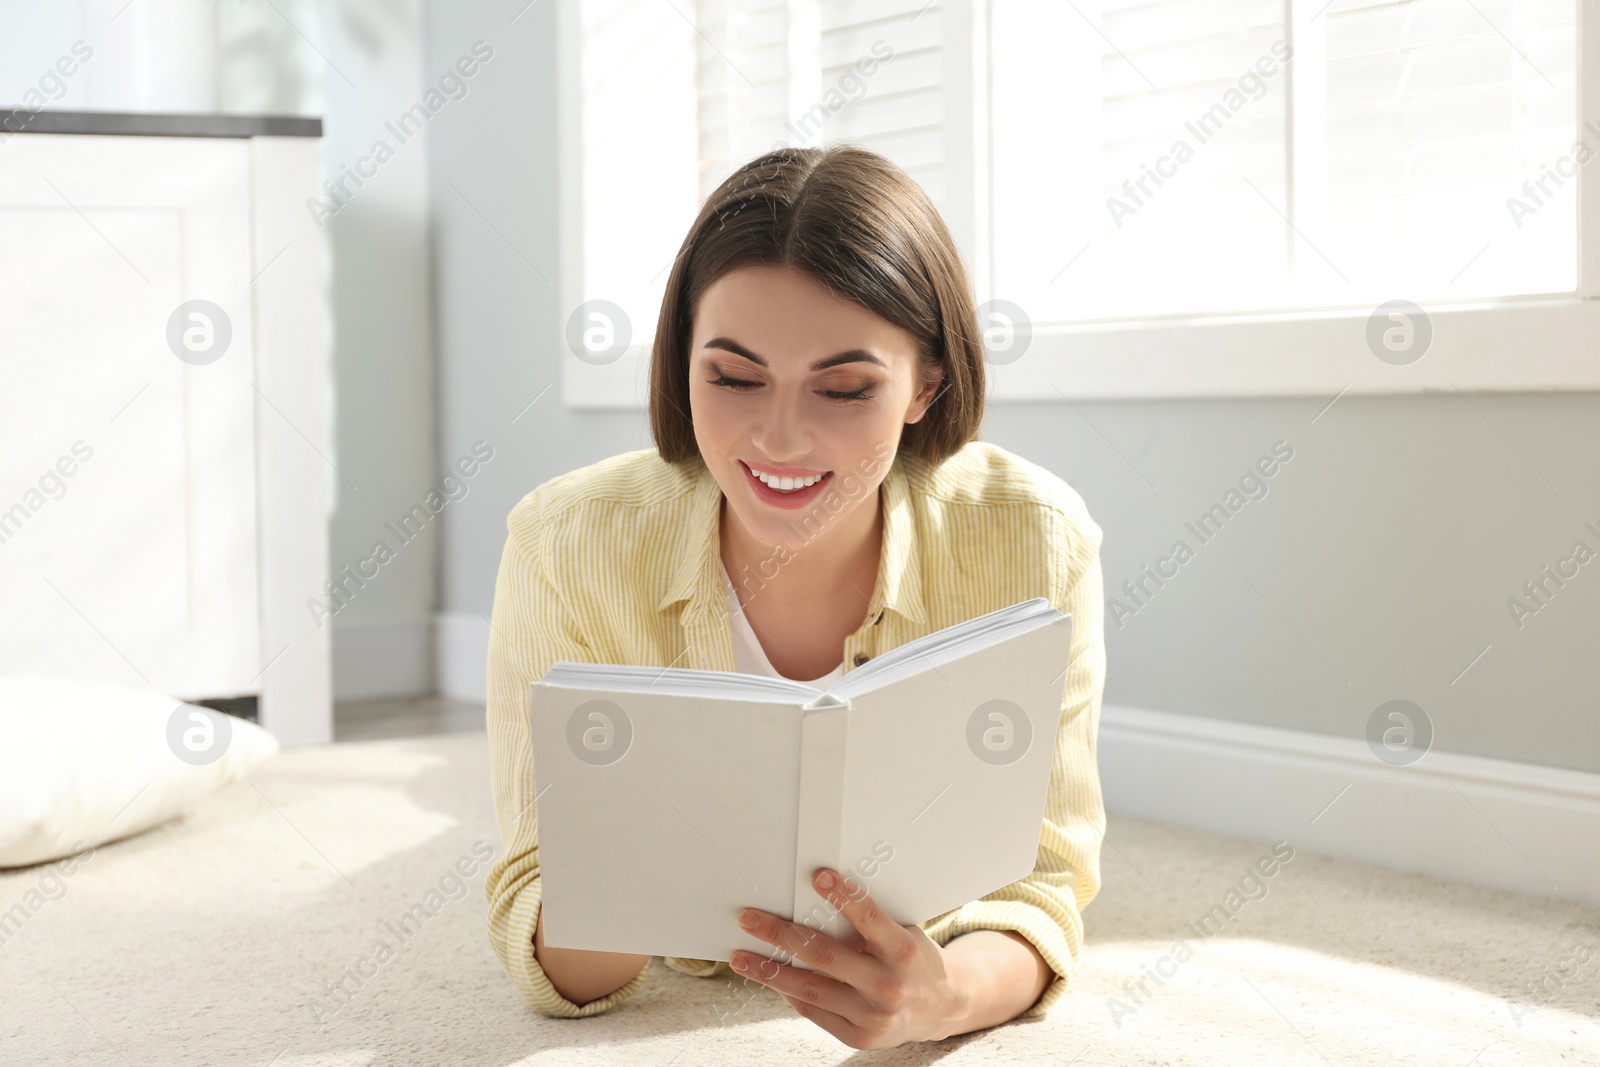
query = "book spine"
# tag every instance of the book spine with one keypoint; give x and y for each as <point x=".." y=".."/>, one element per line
<point x="820" y="831"/>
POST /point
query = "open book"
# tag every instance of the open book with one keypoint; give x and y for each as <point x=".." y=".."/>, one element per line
<point x="670" y="799"/>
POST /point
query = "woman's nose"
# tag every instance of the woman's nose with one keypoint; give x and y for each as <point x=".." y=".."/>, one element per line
<point x="782" y="433"/>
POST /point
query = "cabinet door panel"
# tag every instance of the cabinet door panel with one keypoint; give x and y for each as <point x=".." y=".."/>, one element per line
<point x="140" y="566"/>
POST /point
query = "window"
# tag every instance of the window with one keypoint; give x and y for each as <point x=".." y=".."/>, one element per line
<point x="1176" y="197"/>
<point x="1210" y="174"/>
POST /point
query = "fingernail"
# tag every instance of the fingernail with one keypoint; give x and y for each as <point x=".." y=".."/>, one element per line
<point x="741" y="964"/>
<point x="825" y="880"/>
<point x="748" y="920"/>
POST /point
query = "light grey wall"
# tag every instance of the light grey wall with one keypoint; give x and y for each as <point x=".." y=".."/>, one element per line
<point x="364" y="71"/>
<point x="494" y="241"/>
<point x="1376" y="566"/>
<point x="358" y="64"/>
<point x="384" y="430"/>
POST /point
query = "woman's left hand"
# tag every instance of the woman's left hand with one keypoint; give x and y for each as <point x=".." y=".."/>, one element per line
<point x="898" y="988"/>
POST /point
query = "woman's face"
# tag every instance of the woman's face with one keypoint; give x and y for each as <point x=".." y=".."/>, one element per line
<point x="830" y="384"/>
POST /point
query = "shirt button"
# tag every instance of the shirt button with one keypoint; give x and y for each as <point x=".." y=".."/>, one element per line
<point x="861" y="658"/>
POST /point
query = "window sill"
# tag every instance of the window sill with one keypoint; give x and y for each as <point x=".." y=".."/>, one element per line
<point x="1514" y="345"/>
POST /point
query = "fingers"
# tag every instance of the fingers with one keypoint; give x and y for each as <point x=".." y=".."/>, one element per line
<point x="834" y="1006"/>
<point x="885" y="938"/>
<point x="816" y="950"/>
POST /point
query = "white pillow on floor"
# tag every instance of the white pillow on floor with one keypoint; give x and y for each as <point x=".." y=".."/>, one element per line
<point x="83" y="763"/>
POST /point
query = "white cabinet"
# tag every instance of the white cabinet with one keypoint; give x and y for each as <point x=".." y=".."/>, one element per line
<point x="163" y="498"/>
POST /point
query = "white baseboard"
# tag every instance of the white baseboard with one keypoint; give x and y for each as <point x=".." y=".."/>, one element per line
<point x="1517" y="826"/>
<point x="382" y="659"/>
<point x="462" y="650"/>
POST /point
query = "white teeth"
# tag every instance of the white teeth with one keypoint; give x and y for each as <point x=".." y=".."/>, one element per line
<point x="787" y="485"/>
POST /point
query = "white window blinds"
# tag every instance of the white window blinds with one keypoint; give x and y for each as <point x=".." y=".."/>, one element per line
<point x="805" y="72"/>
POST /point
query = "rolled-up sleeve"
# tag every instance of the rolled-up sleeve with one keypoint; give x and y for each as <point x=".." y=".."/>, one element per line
<point x="531" y="628"/>
<point x="1046" y="906"/>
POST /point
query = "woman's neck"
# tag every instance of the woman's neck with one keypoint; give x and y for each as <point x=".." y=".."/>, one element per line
<point x="840" y="565"/>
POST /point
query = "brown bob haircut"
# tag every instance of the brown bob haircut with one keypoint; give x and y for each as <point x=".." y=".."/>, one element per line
<point x="856" y="223"/>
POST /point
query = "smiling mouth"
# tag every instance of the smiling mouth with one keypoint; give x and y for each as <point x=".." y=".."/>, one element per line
<point x="786" y="483"/>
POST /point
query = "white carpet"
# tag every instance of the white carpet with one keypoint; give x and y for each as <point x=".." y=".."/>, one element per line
<point x="205" y="942"/>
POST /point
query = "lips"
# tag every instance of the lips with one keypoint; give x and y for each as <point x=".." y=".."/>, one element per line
<point x="795" y="499"/>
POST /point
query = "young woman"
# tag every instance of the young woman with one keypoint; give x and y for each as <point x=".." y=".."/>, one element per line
<point x="816" y="496"/>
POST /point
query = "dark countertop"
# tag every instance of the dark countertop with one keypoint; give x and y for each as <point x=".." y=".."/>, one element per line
<point x="153" y="124"/>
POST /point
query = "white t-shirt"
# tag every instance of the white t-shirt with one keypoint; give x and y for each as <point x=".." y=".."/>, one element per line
<point x="749" y="657"/>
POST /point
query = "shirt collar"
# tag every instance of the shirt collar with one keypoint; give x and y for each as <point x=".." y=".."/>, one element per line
<point x="899" y="587"/>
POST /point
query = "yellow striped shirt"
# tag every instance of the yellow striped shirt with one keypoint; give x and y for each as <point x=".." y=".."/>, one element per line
<point x="619" y="562"/>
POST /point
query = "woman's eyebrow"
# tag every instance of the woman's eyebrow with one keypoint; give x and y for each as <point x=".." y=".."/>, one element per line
<point x="855" y="355"/>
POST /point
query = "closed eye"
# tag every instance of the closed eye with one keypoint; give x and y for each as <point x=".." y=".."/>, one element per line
<point x="742" y="384"/>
